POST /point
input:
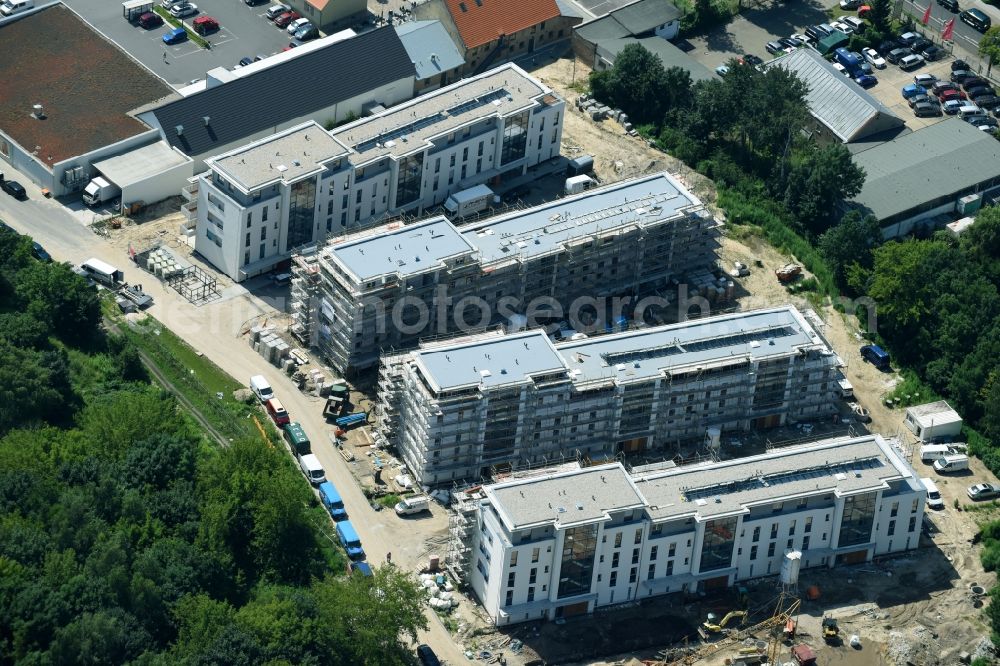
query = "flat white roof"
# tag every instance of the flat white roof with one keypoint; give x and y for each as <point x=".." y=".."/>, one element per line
<point x="102" y="266"/>
<point x="142" y="163"/>
<point x="933" y="413"/>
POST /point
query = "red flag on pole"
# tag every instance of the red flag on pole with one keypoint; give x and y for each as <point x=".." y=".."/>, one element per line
<point x="927" y="16"/>
<point x="949" y="29"/>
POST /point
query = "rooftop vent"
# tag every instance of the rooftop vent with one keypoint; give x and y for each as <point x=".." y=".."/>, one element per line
<point x="282" y="167"/>
<point x="180" y="130"/>
<point x="37" y="112"/>
<point x="206" y="120"/>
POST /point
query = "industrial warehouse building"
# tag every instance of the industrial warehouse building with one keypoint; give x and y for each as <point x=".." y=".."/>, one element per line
<point x="554" y="545"/>
<point x="257" y="203"/>
<point x="390" y="287"/>
<point x="459" y="410"/>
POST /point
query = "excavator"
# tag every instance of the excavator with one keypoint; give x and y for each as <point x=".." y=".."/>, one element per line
<point x="708" y="628"/>
<point x="831" y="632"/>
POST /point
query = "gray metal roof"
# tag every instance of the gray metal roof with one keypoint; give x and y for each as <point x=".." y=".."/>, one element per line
<point x="293" y="89"/>
<point x="844" y="466"/>
<point x="645" y="15"/>
<point x="286" y="156"/>
<point x="836" y="101"/>
<point x="403" y="251"/>
<point x="551" y="226"/>
<point x="491" y="362"/>
<point x="140" y="164"/>
<point x="602" y="28"/>
<point x="669" y="55"/>
<point x="569" y="9"/>
<point x="432" y="51"/>
<point x="564" y="499"/>
<point x="936" y="161"/>
<point x="932" y="413"/>
<point x="728" y="338"/>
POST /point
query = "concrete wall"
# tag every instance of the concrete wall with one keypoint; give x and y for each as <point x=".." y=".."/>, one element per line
<point x="161" y="186"/>
<point x="22" y="160"/>
<point x="87" y="161"/>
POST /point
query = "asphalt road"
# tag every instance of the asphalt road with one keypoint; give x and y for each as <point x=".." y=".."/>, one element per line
<point x="213" y="329"/>
<point x="245" y="31"/>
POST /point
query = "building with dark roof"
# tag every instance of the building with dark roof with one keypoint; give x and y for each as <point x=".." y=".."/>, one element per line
<point x="927" y="173"/>
<point x="490" y="32"/>
<point x="59" y="112"/>
<point x="599" y="40"/>
<point x="328" y="83"/>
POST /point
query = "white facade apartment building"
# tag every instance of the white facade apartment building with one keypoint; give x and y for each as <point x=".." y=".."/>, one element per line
<point x="564" y="544"/>
<point x="456" y="410"/>
<point x="402" y="160"/>
<point x="628" y="238"/>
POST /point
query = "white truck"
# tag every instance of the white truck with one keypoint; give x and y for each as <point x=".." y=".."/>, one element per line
<point x="577" y="184"/>
<point x="471" y="201"/>
<point x="100" y="190"/>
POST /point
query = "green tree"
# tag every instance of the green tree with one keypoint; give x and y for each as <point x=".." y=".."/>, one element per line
<point x="56" y="295"/>
<point x="818" y="181"/>
<point x="34" y="386"/>
<point x="989" y="47"/>
<point x="640" y="86"/>
<point x="881" y="15"/>
<point x="850" y="243"/>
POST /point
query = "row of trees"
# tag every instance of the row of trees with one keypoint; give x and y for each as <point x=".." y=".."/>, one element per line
<point x="125" y="537"/>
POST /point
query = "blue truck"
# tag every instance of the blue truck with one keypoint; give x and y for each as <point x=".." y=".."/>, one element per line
<point x="332" y="501"/>
<point x="350" y="540"/>
<point x="850" y="61"/>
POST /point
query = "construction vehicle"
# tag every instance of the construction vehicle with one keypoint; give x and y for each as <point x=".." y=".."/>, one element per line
<point x="788" y="272"/>
<point x="708" y="628"/>
<point x="831" y="632"/>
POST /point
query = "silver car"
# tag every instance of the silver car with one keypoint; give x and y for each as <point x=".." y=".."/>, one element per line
<point x="983" y="491"/>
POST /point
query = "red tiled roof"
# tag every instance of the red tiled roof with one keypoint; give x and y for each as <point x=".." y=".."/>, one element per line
<point x="481" y="21"/>
<point x="85" y="85"/>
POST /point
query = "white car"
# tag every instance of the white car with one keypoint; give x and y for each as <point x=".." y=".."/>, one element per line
<point x="296" y="24"/>
<point x="850" y="4"/>
<point x="873" y="58"/>
<point x="183" y="9"/>
<point x="843" y="27"/>
<point x="840" y="68"/>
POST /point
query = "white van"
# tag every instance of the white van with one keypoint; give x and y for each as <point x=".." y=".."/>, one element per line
<point x="931" y="452"/>
<point x="951" y="463"/>
<point x="934" y="500"/>
<point x="11" y="7"/>
<point x="970" y="110"/>
<point x="415" y="504"/>
<point x="261" y="388"/>
<point x="312" y="468"/>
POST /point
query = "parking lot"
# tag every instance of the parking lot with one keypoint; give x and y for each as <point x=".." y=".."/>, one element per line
<point x="244" y="32"/>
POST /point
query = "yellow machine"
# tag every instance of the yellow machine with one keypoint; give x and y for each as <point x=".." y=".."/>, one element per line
<point x="710" y="628"/>
<point x="831" y="632"/>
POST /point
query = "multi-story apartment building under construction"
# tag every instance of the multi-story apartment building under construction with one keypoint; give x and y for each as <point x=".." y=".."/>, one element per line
<point x="457" y="410"/>
<point x="395" y="285"/>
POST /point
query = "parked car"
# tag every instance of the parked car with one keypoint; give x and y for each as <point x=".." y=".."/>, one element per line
<point x="775" y="48"/>
<point x="38" y="252"/>
<point x="925" y="80"/>
<point x="307" y="33"/>
<point x="897" y="54"/>
<point x="843" y="27"/>
<point x="182" y="9"/>
<point x="960" y="75"/>
<point x="804" y="39"/>
<point x="247" y="60"/>
<point x="840" y="68"/>
<point x="951" y="95"/>
<point x="976" y="19"/>
<point x="920" y="44"/>
<point x="991" y="102"/>
<point x="940" y="86"/>
<point x="952" y="106"/>
<point x="854" y="22"/>
<point x="427" y="656"/>
<point x="950" y="5"/>
<point x="175" y="36"/>
<point x="911" y="62"/>
<point x="979" y="91"/>
<point x="908" y="38"/>
<point x="864" y="10"/>
<point x="850" y="4"/>
<point x="983" y="122"/>
<point x="974" y="82"/>
<point x="983" y="491"/>
<point x="283" y="20"/>
<point x="912" y="89"/>
<point x="933" y="52"/>
<point x="865" y="80"/>
<point x="204" y="25"/>
<point x="792" y="42"/>
<point x="920" y="99"/>
<point x="873" y="58"/>
<point x="721" y="70"/>
<point x="14" y="189"/>
<point x="926" y="110"/>
<point x="752" y="60"/>
<point x="150" y="20"/>
<point x="295" y="25"/>
<point x="960" y="64"/>
<point x="274" y="11"/>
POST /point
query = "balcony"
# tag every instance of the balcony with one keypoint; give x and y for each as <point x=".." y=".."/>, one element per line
<point x="190" y="210"/>
<point x="190" y="191"/>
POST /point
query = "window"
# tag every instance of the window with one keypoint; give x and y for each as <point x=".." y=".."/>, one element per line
<point x="437" y="165"/>
<point x="809" y="525"/>
<point x="789" y="544"/>
<point x="635" y="556"/>
<point x="532" y="575"/>
<point x="652" y="553"/>
<point x="531" y="594"/>
<point x="670" y="568"/>
<point x="672" y="550"/>
<point x="513" y="558"/>
<point x="894" y="510"/>
<point x="717" y="545"/>
<point x="263" y="233"/>
<point x="480" y="152"/>
<point x="262" y="246"/>
<point x="510" y="598"/>
<point x="357" y="197"/>
<point x="618" y="540"/>
<point x="451" y="162"/>
<point x="774" y="530"/>
<point x="510" y="578"/>
<point x="613" y="580"/>
<point x="577" y="570"/>
<point x="651" y="573"/>
<point x="913" y="524"/>
<point x="638" y="536"/>
<point x="756" y="535"/>
<point x="465" y="154"/>
<point x="858" y="516"/>
<point x="633" y="574"/>
<point x="913" y="507"/>
<point x="770" y="549"/>
<point x="614" y="560"/>
<point x="248" y="240"/>
<point x="263" y="214"/>
<point x="892" y="527"/>
<point x="246" y="258"/>
<point x="805" y="542"/>
<point x="791" y="529"/>
<point x="534" y="555"/>
<point x="753" y="552"/>
<point x="249" y="218"/>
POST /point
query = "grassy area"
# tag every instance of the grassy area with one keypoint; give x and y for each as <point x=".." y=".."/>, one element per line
<point x="176" y="23"/>
<point x="204" y="384"/>
<point x="389" y="501"/>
